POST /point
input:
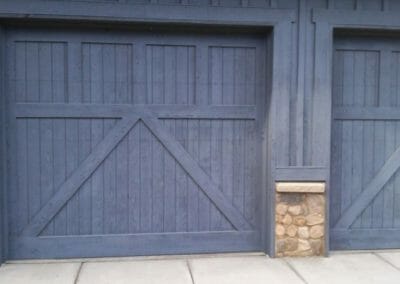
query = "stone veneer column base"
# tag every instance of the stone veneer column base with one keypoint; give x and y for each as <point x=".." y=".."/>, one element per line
<point x="300" y="219"/>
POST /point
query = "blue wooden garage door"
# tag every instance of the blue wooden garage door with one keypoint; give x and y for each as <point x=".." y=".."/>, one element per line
<point x="365" y="189"/>
<point x="134" y="143"/>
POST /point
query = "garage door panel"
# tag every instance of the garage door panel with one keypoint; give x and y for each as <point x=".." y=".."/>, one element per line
<point x="106" y="72"/>
<point x="365" y="145"/>
<point x="40" y="71"/>
<point x="49" y="150"/>
<point x="133" y="137"/>
<point x="123" y="196"/>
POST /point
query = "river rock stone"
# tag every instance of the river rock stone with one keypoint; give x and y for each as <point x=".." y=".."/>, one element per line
<point x="303" y="245"/>
<point x="280" y="245"/>
<point x="303" y="232"/>
<point x="287" y="220"/>
<point x="316" y="203"/>
<point x="291" y="230"/>
<point x="299" y="220"/>
<point x="317" y="231"/>
<point x="316" y="246"/>
<point x="281" y="209"/>
<point x="280" y="230"/>
<point x="291" y="244"/>
<point x="295" y="210"/>
<point x="314" y="219"/>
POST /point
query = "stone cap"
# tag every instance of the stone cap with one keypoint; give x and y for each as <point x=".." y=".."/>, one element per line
<point x="301" y="187"/>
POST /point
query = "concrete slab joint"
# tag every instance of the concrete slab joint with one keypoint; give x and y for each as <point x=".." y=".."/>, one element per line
<point x="299" y="219"/>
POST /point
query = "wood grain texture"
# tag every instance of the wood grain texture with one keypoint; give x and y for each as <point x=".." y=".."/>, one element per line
<point x="129" y="136"/>
<point x="365" y="144"/>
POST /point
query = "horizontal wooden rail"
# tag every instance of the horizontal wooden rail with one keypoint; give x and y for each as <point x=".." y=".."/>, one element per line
<point x="366" y="113"/>
<point x="133" y="244"/>
<point x="48" y="110"/>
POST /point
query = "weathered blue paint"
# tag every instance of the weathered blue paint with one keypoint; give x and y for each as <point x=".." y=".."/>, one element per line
<point x="3" y="163"/>
<point x="100" y="153"/>
<point x="294" y="129"/>
<point x="365" y="207"/>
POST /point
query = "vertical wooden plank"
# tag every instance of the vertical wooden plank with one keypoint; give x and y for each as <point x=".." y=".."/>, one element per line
<point x="20" y="71"/>
<point x="157" y="158"/>
<point x="146" y="180"/>
<point x="107" y="83"/>
<point x="216" y="219"/>
<point x="169" y="75"/>
<point x="91" y="85"/>
<point x="371" y="100"/>
<point x="193" y="190"/>
<point x="215" y="97"/>
<point x="357" y="129"/>
<point x="140" y="71"/>
<point x="215" y="71"/>
<point x="170" y="184"/>
<point x="347" y="156"/>
<point x="134" y="179"/>
<point x="251" y="68"/>
<point x="122" y="194"/>
<point x="71" y="164"/>
<point x="227" y="63"/>
<point x="84" y="193"/>
<point x="191" y="75"/>
<point x="251" y="186"/>
<point x="388" y="190"/>
<point x="182" y="75"/>
<point x="58" y="66"/>
<point x="227" y="160"/>
<point x="183" y="96"/>
<point x="74" y="56"/>
<point x="3" y="172"/>
<point x="368" y="167"/>
<point x="32" y="72"/>
<point x="336" y="171"/>
<point x="322" y="96"/>
<point x="34" y="188"/>
<point x="379" y="160"/>
<point x="385" y="100"/>
<point x="396" y="197"/>
<point x="20" y="202"/>
<point x="204" y="162"/>
<point x="46" y="166"/>
<point x="202" y="74"/>
<point x="181" y="179"/>
<point x="123" y="63"/>
<point x="239" y="99"/>
<point x="282" y="91"/>
<point x="161" y="59"/>
<point x="45" y="126"/>
<point x="357" y="162"/>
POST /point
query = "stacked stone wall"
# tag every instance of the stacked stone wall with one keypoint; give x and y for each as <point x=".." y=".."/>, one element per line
<point x="300" y="224"/>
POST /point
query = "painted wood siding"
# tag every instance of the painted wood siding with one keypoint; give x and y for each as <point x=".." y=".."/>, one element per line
<point x="3" y="162"/>
<point x="181" y="167"/>
<point x="298" y="151"/>
<point x="365" y="175"/>
<point x="298" y="145"/>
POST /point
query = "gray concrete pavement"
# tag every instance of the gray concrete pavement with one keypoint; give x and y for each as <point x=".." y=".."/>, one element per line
<point x="356" y="267"/>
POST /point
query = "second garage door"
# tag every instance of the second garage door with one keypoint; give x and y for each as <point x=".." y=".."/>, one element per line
<point x="132" y="143"/>
<point x="365" y="191"/>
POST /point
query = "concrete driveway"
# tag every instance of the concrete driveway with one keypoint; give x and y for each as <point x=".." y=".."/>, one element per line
<point x="360" y="267"/>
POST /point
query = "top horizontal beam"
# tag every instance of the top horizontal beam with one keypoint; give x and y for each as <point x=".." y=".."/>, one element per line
<point x="367" y="19"/>
<point x="124" y="12"/>
<point x="58" y="110"/>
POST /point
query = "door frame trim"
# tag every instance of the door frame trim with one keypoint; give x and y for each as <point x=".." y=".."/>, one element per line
<point x="326" y="23"/>
<point x="277" y="96"/>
